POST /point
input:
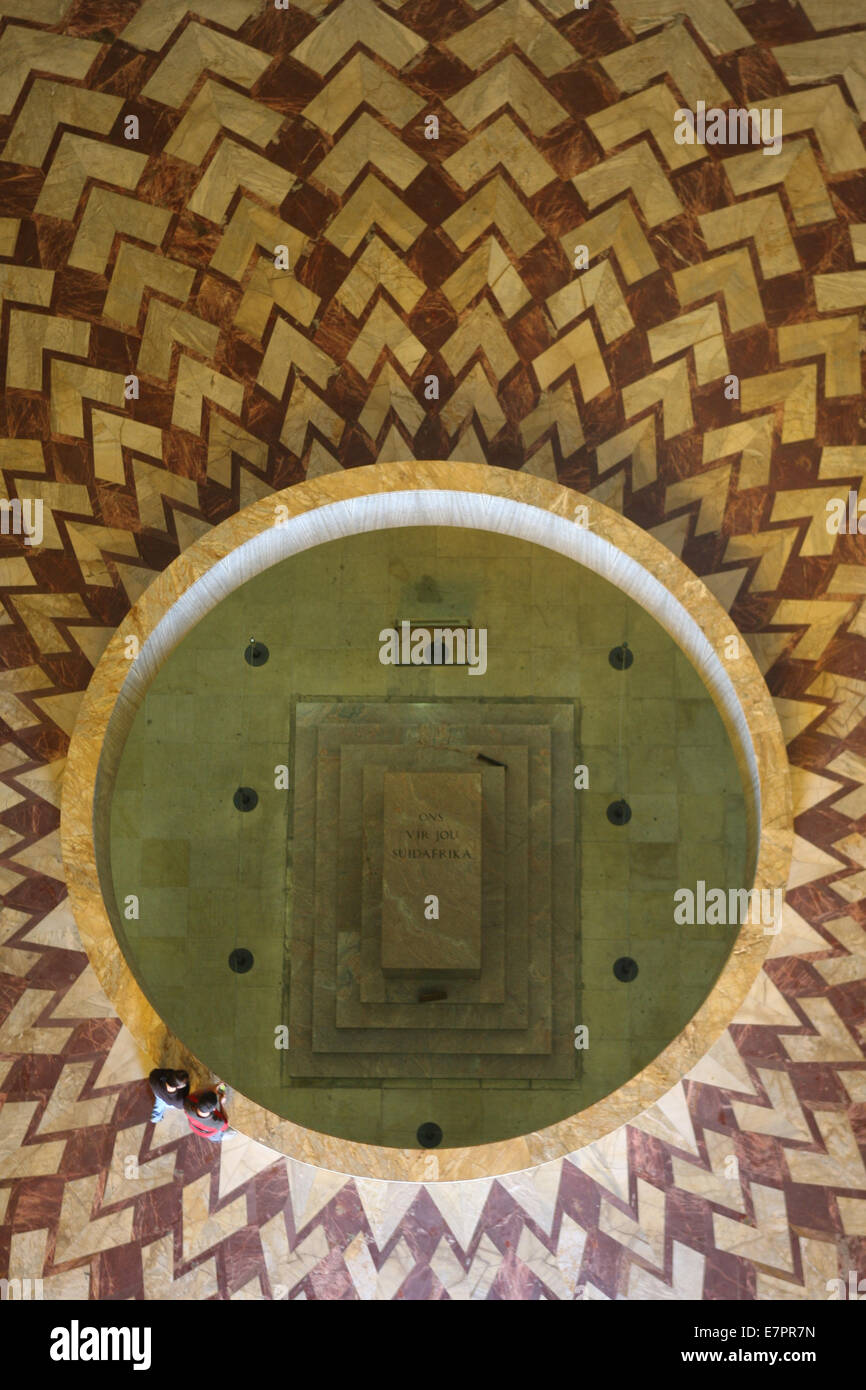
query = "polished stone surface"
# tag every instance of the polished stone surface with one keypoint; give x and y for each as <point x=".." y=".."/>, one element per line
<point x="502" y="913"/>
<point x="647" y="1213"/>
<point x="659" y="568"/>
<point x="431" y="847"/>
<point x="336" y="743"/>
<point x="557" y="638"/>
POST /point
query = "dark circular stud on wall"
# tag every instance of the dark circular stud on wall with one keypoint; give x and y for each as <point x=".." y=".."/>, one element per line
<point x="621" y="657"/>
<point x="625" y="969"/>
<point x="619" y="813"/>
<point x="429" y="1135"/>
<point x="255" y="653"/>
<point x="245" y="799"/>
<point x="241" y="960"/>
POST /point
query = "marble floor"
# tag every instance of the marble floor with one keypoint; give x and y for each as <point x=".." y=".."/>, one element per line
<point x="152" y="158"/>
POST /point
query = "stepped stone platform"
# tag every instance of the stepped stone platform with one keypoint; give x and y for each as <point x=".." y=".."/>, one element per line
<point x="496" y="777"/>
<point x="529" y="970"/>
<point x="368" y="984"/>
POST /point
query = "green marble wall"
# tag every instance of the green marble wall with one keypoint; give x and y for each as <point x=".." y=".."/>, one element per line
<point x="209" y="878"/>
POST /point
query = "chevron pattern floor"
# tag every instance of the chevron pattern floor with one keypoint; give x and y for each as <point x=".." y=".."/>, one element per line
<point x="151" y="159"/>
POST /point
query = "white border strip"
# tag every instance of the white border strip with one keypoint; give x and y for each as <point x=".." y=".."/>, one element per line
<point x="477" y="511"/>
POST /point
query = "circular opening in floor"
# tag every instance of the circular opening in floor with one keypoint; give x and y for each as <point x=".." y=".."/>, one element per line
<point x="442" y="866"/>
<point x="430" y="892"/>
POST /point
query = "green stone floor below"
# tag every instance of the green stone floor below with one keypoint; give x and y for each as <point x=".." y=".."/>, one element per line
<point x="210" y="879"/>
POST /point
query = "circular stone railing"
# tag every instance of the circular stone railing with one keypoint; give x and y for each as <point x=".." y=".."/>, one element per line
<point x="424" y="493"/>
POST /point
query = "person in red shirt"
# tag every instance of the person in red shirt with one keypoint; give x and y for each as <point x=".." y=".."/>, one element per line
<point x="206" y="1116"/>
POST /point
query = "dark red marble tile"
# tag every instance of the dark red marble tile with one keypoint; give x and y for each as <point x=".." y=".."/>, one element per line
<point x="241" y="1260"/>
<point x="157" y="1212"/>
<point x="36" y="1203"/>
<point x="87" y="1151"/>
<point x="117" y="1274"/>
<point x="330" y="1280"/>
<point x="727" y="1278"/>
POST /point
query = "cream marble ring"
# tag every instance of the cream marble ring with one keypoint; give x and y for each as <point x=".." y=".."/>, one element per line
<point x="427" y="493"/>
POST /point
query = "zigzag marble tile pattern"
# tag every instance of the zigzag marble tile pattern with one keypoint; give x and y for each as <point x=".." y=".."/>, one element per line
<point x="453" y="257"/>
